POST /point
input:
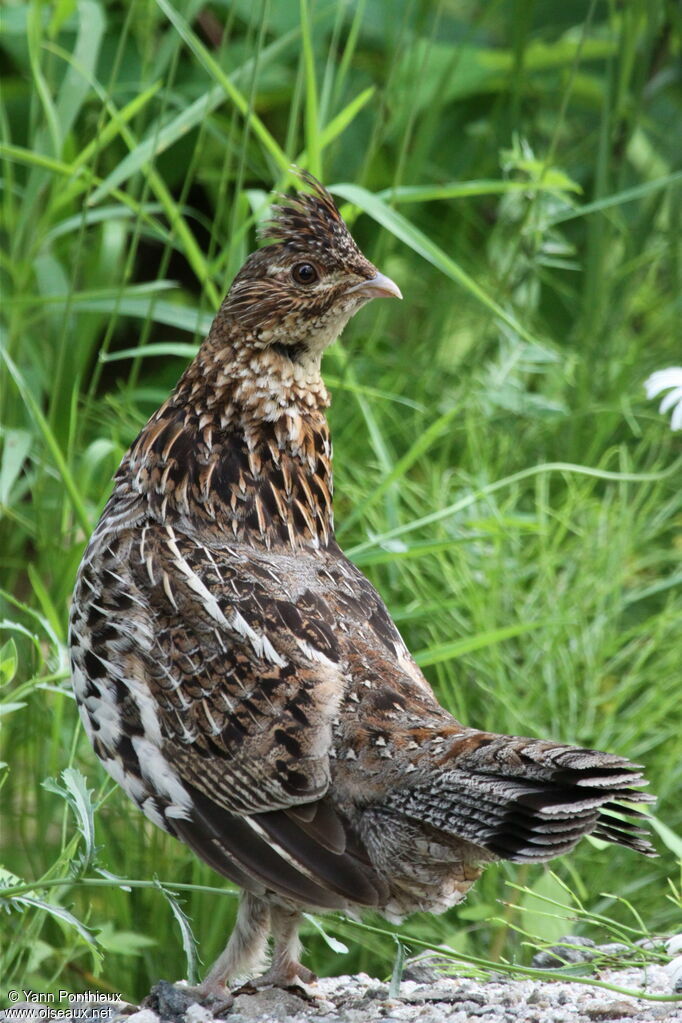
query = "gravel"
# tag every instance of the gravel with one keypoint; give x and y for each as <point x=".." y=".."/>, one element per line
<point x="426" y="996"/>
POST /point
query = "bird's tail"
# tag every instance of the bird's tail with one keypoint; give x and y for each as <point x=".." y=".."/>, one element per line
<point x="526" y="800"/>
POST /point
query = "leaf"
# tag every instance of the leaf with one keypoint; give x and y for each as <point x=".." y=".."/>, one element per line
<point x="420" y="243"/>
<point x="477" y="911"/>
<point x="189" y="942"/>
<point x="175" y="349"/>
<point x="8" y="879"/>
<point x="227" y="82"/>
<point x="75" y="86"/>
<point x="9" y="708"/>
<point x="340" y="122"/>
<point x="160" y="138"/>
<point x="51" y="442"/>
<point x="398" y="550"/>
<point x="398" y="967"/>
<point x="123" y="943"/>
<point x="458" y="647"/>
<point x="78" y="796"/>
<point x="617" y="198"/>
<point x="420" y="446"/>
<point x="114" y="127"/>
<point x="446" y="73"/>
<point x="38" y="952"/>
<point x="14" y="453"/>
<point x="157" y="141"/>
<point x="9" y="660"/>
<point x="59" y="913"/>
<point x="334" y="944"/>
<point x="542" y="917"/>
<point x="533" y="470"/>
<point x="466" y="189"/>
<point x="159" y="311"/>
<point x="104" y="214"/>
<point x="44" y="599"/>
<point x="311" y="119"/>
<point x="113" y="877"/>
<point x="670" y="839"/>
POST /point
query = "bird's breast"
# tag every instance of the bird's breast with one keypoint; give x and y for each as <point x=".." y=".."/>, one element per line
<point x="268" y="484"/>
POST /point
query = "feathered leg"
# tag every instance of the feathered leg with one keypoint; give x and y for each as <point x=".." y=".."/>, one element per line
<point x="286" y="970"/>
<point x="245" y="952"/>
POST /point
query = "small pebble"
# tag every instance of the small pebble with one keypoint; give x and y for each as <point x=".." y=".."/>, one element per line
<point x="363" y="999"/>
<point x="143" y="1016"/>
<point x="570" y="949"/>
<point x="649" y="944"/>
<point x="616" y="949"/>
<point x="612" y="1010"/>
<point x="198" y="1014"/>
<point x="271" y="1003"/>
<point x="674" y="971"/>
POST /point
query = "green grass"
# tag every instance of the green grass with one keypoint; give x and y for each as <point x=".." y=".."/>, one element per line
<point x="515" y="167"/>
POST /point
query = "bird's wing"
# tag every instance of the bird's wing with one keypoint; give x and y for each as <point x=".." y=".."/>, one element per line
<point x="244" y="688"/>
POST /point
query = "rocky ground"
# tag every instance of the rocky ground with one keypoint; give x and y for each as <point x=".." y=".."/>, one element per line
<point x="425" y="995"/>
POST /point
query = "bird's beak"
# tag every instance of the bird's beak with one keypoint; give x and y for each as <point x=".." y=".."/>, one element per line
<point x="379" y="286"/>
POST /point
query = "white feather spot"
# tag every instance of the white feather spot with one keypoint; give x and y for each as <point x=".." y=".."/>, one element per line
<point x="312" y="653"/>
<point x="150" y="811"/>
<point x="158" y="772"/>
<point x="132" y="785"/>
<point x="176" y="812"/>
<point x="261" y="644"/>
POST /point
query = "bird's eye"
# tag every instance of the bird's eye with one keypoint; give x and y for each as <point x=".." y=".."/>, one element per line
<point x="304" y="273"/>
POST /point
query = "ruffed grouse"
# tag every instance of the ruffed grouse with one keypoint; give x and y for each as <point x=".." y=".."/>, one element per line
<point x="244" y="683"/>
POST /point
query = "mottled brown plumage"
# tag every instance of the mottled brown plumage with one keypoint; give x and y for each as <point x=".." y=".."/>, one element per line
<point x="244" y="682"/>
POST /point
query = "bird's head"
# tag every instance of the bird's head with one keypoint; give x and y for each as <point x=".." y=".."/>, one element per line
<point x="297" y="294"/>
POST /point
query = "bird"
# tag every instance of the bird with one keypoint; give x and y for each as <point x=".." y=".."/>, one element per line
<point x="242" y="680"/>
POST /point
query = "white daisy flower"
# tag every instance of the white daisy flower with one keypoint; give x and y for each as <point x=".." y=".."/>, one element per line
<point x="661" y="380"/>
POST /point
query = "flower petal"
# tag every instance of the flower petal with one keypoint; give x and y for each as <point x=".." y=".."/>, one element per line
<point x="676" y="421"/>
<point x="671" y="399"/>
<point x="662" y="379"/>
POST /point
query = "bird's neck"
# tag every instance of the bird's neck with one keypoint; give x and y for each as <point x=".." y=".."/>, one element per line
<point x="242" y="448"/>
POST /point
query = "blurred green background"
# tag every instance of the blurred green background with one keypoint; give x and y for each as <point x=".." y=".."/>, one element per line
<point x="515" y="166"/>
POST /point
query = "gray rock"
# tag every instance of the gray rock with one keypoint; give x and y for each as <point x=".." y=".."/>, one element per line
<point x="143" y="1016"/>
<point x="611" y="1010"/>
<point x="426" y="968"/>
<point x="361" y="999"/>
<point x="169" y="1001"/>
<point x="650" y="944"/>
<point x="198" y="1014"/>
<point x="272" y="1003"/>
<point x="449" y="992"/>
<point x="568" y="950"/>
<point x="674" y="971"/>
<point x="614" y="950"/>
<point x="178" y="1003"/>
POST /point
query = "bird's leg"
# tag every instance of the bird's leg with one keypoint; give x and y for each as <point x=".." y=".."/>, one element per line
<point x="286" y="970"/>
<point x="246" y="949"/>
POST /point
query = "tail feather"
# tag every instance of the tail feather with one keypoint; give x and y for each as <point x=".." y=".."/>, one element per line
<point x="527" y="800"/>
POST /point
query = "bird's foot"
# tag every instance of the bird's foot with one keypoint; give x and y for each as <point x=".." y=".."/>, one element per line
<point x="216" y="997"/>
<point x="291" y="975"/>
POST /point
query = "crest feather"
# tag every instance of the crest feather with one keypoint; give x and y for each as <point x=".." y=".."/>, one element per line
<point x="308" y="218"/>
